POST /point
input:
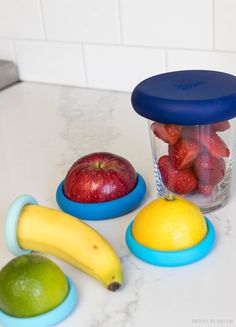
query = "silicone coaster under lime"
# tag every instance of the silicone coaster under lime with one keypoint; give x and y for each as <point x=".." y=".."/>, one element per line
<point x="49" y="318"/>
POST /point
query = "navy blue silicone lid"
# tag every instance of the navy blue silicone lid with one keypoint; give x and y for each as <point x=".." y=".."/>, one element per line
<point x="188" y="97"/>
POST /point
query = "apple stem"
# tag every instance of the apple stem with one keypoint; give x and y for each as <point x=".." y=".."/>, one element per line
<point x="99" y="164"/>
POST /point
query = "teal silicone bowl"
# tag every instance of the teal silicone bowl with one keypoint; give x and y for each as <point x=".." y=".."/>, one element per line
<point x="47" y="319"/>
<point x="172" y="258"/>
<point x="102" y="210"/>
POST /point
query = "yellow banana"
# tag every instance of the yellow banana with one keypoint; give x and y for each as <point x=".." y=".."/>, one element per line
<point x="53" y="232"/>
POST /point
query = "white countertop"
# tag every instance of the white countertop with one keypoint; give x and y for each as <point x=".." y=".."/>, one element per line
<point x="43" y="130"/>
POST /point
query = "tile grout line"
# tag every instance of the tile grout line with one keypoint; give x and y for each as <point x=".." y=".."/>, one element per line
<point x="120" y="22"/>
<point x="125" y="45"/>
<point x="213" y="25"/>
<point x="84" y="64"/>
<point x="42" y="19"/>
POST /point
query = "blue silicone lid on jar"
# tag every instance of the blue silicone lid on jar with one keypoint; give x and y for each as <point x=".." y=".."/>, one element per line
<point x="188" y="97"/>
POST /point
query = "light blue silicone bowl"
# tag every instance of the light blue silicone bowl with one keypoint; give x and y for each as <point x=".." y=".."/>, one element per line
<point x="48" y="319"/>
<point x="172" y="258"/>
<point x="102" y="210"/>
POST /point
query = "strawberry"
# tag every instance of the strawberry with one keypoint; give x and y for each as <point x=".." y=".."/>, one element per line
<point x="183" y="153"/>
<point x="194" y="131"/>
<point x="180" y="182"/>
<point x="221" y="126"/>
<point x="214" y="144"/>
<point x="168" y="133"/>
<point x="164" y="165"/>
<point x="209" y="170"/>
<point x="206" y="136"/>
<point x="190" y="132"/>
<point x="205" y="189"/>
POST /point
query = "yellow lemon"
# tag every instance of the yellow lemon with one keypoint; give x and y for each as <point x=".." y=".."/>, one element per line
<point x="169" y="224"/>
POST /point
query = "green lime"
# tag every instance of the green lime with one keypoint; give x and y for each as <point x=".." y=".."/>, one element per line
<point x="31" y="285"/>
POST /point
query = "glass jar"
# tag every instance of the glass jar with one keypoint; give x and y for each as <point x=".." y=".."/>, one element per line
<point x="192" y="132"/>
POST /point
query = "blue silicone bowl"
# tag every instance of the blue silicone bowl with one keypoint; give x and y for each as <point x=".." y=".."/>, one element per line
<point x="172" y="258"/>
<point x="48" y="319"/>
<point x="102" y="210"/>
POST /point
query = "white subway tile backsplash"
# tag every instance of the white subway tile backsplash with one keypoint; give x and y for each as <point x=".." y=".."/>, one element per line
<point x="21" y="19"/>
<point x="114" y="44"/>
<point x="121" y="68"/>
<point x="7" y="50"/>
<point x="181" y="59"/>
<point x="82" y="21"/>
<point x="56" y="63"/>
<point x="225" y="24"/>
<point x="168" y="23"/>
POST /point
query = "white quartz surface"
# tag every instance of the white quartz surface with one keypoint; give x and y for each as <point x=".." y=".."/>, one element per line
<point x="43" y="130"/>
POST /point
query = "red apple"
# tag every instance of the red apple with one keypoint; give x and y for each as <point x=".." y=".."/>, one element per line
<point x="99" y="177"/>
